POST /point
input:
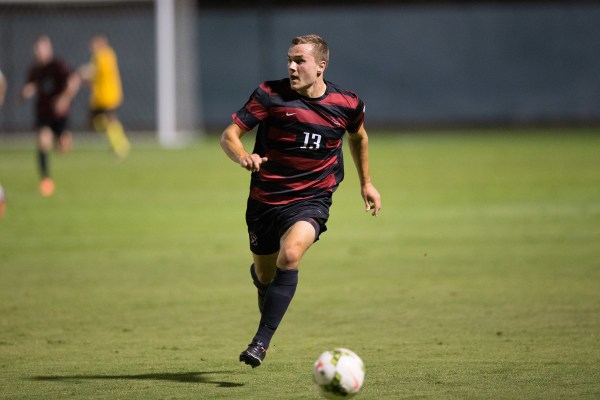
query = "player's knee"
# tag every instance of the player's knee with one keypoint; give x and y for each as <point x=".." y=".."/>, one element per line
<point x="65" y="142"/>
<point x="289" y="257"/>
<point x="100" y="122"/>
<point x="44" y="141"/>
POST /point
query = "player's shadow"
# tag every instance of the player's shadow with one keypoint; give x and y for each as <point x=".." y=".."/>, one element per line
<point x="182" y="377"/>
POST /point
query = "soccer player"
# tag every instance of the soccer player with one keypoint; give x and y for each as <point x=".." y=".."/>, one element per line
<point x="55" y="86"/>
<point x="295" y="166"/>
<point x="3" y="87"/>
<point x="107" y="94"/>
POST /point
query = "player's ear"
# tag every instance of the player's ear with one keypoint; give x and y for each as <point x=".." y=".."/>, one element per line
<point x="321" y="67"/>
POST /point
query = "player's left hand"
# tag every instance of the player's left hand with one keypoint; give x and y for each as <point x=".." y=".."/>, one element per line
<point x="372" y="199"/>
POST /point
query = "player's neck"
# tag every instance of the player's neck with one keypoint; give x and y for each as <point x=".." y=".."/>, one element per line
<point x="315" y="90"/>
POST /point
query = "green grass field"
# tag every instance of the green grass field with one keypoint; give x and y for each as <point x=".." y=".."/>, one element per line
<point x="479" y="280"/>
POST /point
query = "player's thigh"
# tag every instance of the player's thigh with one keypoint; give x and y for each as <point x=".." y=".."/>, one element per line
<point x="294" y="243"/>
<point x="265" y="266"/>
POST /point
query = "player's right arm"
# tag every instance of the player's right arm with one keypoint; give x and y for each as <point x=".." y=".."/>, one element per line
<point x="231" y="142"/>
<point x="2" y="89"/>
<point x="28" y="90"/>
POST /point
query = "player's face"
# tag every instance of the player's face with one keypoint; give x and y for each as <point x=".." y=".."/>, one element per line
<point x="304" y="71"/>
<point x="43" y="50"/>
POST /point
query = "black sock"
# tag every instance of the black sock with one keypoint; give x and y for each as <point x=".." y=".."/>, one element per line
<point x="43" y="163"/>
<point x="259" y="285"/>
<point x="277" y="299"/>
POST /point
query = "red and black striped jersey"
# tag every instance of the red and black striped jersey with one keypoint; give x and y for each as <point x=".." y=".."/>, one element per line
<point x="301" y="137"/>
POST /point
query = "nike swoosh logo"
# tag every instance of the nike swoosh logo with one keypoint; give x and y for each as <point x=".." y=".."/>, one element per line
<point x="288" y="114"/>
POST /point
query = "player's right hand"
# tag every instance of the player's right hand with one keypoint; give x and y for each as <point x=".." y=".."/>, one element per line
<point x="252" y="162"/>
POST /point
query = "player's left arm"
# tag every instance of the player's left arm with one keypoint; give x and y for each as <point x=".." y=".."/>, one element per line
<point x="359" y="147"/>
<point x="63" y="101"/>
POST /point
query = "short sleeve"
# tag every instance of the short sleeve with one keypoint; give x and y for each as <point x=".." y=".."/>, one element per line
<point x="357" y="118"/>
<point x="255" y="110"/>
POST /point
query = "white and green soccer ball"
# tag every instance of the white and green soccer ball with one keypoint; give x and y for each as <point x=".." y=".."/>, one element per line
<point x="339" y="373"/>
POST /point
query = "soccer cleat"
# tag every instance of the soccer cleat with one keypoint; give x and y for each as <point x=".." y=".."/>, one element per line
<point x="254" y="354"/>
<point x="46" y="187"/>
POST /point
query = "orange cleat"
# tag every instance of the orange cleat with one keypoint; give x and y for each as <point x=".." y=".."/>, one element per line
<point x="47" y="187"/>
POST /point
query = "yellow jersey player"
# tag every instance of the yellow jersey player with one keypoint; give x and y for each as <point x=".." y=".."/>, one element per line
<point x="106" y="94"/>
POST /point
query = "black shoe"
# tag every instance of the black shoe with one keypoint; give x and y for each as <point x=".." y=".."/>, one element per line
<point x="254" y="354"/>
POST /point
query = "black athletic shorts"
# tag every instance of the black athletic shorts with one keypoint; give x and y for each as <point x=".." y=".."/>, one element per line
<point x="267" y="223"/>
<point x="57" y="125"/>
<point x="94" y="112"/>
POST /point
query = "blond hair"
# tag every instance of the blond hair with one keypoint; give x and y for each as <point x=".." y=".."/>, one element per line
<point x="320" y="47"/>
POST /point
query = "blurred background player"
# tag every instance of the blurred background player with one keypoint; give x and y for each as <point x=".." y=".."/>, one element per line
<point x="2" y="89"/>
<point x="2" y="96"/>
<point x="55" y="86"/>
<point x="2" y="202"/>
<point x="103" y="74"/>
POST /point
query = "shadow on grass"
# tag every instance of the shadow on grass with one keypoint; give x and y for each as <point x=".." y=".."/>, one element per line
<point x="183" y="377"/>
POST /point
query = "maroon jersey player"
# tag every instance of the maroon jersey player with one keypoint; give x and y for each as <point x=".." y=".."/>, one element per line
<point x="296" y="165"/>
<point x="54" y="85"/>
